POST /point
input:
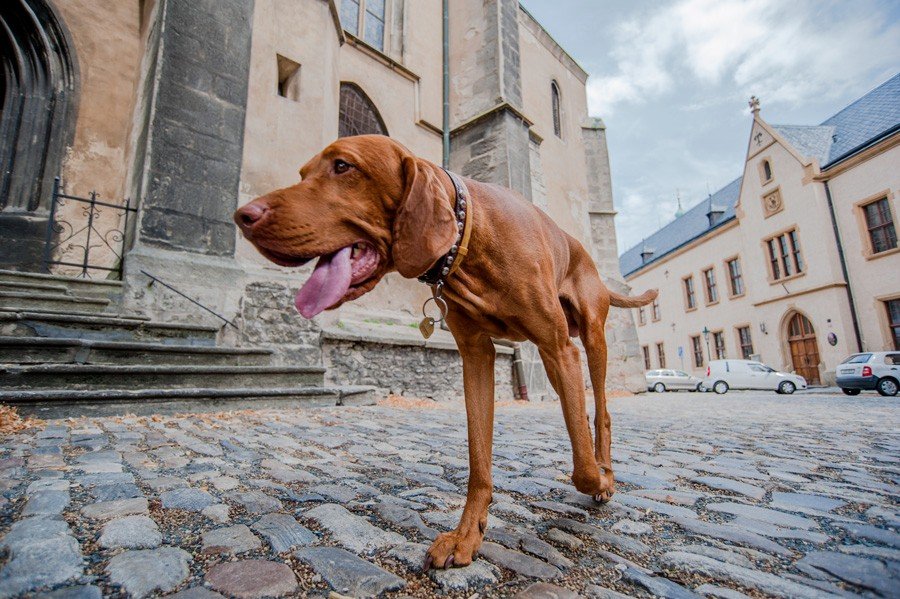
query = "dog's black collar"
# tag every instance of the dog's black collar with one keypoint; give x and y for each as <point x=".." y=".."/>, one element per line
<point x="448" y="264"/>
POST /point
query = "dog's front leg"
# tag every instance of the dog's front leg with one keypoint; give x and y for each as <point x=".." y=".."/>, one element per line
<point x="458" y="547"/>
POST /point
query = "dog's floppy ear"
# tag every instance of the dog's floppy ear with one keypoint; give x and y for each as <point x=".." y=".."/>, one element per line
<point x="425" y="226"/>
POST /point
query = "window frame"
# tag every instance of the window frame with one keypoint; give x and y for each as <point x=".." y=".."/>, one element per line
<point x="784" y="252"/>
<point x="719" y="344"/>
<point x="359" y="34"/>
<point x="868" y="247"/>
<point x="731" y="278"/>
<point x="655" y="311"/>
<point x="740" y="341"/>
<point x="661" y="354"/>
<point x="697" y="350"/>
<point x="893" y="327"/>
<point x="710" y="287"/>
<point x="642" y="316"/>
<point x="689" y="295"/>
<point x="645" y="349"/>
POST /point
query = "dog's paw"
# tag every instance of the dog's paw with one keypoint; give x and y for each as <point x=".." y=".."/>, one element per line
<point x="609" y="484"/>
<point x="452" y="549"/>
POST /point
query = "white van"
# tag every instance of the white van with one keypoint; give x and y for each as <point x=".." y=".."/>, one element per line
<point x="722" y="375"/>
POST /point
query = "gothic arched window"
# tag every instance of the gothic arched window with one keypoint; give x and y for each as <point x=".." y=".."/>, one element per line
<point x="357" y="114"/>
<point x="554" y="99"/>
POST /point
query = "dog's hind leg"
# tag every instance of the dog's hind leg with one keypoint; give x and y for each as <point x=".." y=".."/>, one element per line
<point x="562" y="360"/>
<point x="594" y="339"/>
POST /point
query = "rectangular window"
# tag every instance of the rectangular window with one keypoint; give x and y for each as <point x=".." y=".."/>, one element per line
<point x="773" y="260"/>
<point x="880" y="224"/>
<point x="661" y="354"/>
<point x="719" y="342"/>
<point x="785" y="257"/>
<point x="735" y="276"/>
<point x="646" y="350"/>
<point x="745" y="342"/>
<point x="893" y="311"/>
<point x="374" y="23"/>
<point x="350" y="16"/>
<point x="642" y="316"/>
<point x="712" y="293"/>
<point x="698" y="351"/>
<point x="689" y="295"/>
<point x="655" y="312"/>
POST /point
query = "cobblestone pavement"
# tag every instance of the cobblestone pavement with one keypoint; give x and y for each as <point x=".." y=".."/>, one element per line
<point x="719" y="496"/>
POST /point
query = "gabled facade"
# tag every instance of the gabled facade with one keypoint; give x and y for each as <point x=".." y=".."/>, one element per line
<point x="795" y="263"/>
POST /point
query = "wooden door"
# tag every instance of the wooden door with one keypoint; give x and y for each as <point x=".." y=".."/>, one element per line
<point x="804" y="349"/>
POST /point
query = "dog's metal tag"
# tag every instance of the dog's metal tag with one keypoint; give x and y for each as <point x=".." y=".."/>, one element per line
<point x="426" y="327"/>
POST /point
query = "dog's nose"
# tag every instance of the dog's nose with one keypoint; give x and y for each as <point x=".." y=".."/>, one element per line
<point x="247" y="216"/>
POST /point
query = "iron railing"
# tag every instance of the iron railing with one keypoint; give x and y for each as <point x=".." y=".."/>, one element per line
<point x="74" y="236"/>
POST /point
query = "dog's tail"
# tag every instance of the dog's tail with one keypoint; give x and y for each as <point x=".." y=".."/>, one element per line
<point x="623" y="301"/>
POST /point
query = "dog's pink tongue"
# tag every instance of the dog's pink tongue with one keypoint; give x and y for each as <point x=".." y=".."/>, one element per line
<point x="328" y="283"/>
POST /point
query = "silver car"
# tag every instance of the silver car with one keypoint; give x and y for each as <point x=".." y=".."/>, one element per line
<point x="871" y="370"/>
<point x="671" y="380"/>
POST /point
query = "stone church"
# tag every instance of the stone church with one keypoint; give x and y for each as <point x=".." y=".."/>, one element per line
<point x="144" y="124"/>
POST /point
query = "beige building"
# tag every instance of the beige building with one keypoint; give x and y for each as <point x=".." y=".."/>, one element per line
<point x="794" y="263"/>
<point x="191" y="108"/>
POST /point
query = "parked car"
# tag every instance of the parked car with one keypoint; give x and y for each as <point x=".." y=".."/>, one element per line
<point x="670" y="380"/>
<point x="879" y="371"/>
<point x="722" y="375"/>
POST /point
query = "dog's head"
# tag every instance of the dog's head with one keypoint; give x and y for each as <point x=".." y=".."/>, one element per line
<point x="364" y="206"/>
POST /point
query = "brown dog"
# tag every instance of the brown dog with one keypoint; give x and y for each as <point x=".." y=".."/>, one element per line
<point x="367" y="206"/>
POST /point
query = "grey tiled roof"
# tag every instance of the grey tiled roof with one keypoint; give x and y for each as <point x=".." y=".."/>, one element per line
<point x="691" y="224"/>
<point x="813" y="141"/>
<point x="866" y="120"/>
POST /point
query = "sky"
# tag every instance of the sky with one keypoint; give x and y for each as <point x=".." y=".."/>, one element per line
<point x="672" y="78"/>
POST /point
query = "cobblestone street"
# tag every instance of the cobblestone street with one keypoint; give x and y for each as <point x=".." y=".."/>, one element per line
<point x="718" y="496"/>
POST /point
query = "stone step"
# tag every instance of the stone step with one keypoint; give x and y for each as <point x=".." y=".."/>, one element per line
<point x="133" y="377"/>
<point x="26" y="286"/>
<point x="74" y="285"/>
<point x="31" y="300"/>
<point x="41" y="350"/>
<point x="116" y="402"/>
<point x="130" y="316"/>
<point x="103" y="328"/>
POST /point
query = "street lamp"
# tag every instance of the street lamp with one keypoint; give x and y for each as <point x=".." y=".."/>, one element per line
<point x="706" y="338"/>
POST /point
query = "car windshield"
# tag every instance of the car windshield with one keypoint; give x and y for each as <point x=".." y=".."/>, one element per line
<point x="762" y="368"/>
<point x="679" y="373"/>
<point x="857" y="359"/>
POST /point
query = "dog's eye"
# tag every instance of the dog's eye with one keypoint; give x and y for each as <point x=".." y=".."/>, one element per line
<point x="341" y="167"/>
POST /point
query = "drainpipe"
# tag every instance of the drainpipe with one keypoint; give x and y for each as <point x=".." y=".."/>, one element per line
<point x="520" y="385"/>
<point x="446" y="60"/>
<point x="840" y="249"/>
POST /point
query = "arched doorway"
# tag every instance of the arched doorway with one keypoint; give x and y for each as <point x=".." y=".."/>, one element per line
<point x="804" y="349"/>
<point x="38" y="89"/>
<point x="357" y="114"/>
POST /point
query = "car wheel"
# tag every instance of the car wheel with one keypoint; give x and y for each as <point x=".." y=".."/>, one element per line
<point x="787" y="387"/>
<point x="659" y="388"/>
<point x="850" y="391"/>
<point x="887" y="387"/>
<point x="720" y="387"/>
<point x="699" y="387"/>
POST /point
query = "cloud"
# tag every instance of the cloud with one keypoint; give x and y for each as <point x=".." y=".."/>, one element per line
<point x="784" y="52"/>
